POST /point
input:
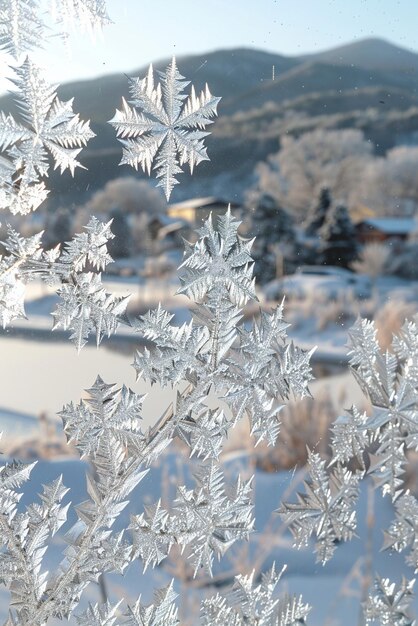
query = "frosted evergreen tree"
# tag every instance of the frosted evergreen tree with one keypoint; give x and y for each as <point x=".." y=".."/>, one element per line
<point x="318" y="213"/>
<point x="338" y="238"/>
<point x="274" y="229"/>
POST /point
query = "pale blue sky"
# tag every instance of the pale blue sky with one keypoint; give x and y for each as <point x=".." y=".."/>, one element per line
<point x="146" y="30"/>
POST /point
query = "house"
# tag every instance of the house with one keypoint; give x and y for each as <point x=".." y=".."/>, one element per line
<point x="380" y="229"/>
<point x="161" y="225"/>
<point x="171" y="230"/>
<point x="196" y="210"/>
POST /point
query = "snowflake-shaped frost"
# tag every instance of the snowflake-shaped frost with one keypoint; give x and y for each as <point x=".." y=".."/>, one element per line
<point x="86" y="307"/>
<point x="163" y="612"/>
<point x="208" y="518"/>
<point x="403" y="532"/>
<point x="389" y="604"/>
<point x="21" y="27"/>
<point x="88" y="15"/>
<point x="249" y="604"/>
<point x="104" y="615"/>
<point x="164" y="134"/>
<point x="326" y="510"/>
<point x="50" y="128"/>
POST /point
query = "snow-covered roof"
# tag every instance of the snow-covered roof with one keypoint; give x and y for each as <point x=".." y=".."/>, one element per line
<point x="197" y="203"/>
<point x="392" y="225"/>
<point x="194" y="202"/>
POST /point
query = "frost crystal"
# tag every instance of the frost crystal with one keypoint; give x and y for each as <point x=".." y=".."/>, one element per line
<point x="88" y="15"/>
<point x="22" y="25"/>
<point x="403" y="532"/>
<point x="350" y="437"/>
<point x="251" y="369"/>
<point x="246" y="368"/>
<point x="249" y="604"/>
<point x="389" y="605"/>
<point x="378" y="443"/>
<point x="24" y="536"/>
<point x="165" y="134"/>
<point x="106" y="413"/>
<point x="162" y="612"/>
<point x="390" y="381"/>
<point x="103" y="615"/>
<point x="50" y="127"/>
<point x="206" y="518"/>
<point x="326" y="510"/>
<point x="85" y="306"/>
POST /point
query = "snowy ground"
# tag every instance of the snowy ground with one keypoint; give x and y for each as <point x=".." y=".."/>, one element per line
<point x="317" y="321"/>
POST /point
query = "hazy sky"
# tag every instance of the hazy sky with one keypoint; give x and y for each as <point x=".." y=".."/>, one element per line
<point x="146" y="30"/>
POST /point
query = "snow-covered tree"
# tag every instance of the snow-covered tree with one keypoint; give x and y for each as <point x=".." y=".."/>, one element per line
<point x="373" y="259"/>
<point x="335" y="159"/>
<point x="389" y="185"/>
<point x="129" y="194"/>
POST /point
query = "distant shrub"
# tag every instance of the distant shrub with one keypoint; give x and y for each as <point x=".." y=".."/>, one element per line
<point x="304" y="424"/>
<point x="389" y="320"/>
<point x="373" y="260"/>
<point x="129" y="195"/>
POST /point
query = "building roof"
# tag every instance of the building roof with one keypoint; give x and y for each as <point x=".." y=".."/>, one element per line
<point x="391" y="225"/>
<point x="197" y="203"/>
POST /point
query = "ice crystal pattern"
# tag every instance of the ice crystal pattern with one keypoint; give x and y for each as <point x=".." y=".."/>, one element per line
<point x="389" y="603"/>
<point x="390" y="380"/>
<point x="87" y="15"/>
<point x="164" y="129"/>
<point x="49" y="129"/>
<point x="248" y="603"/>
<point x="378" y="443"/>
<point x="205" y="520"/>
<point x="326" y="510"/>
<point x="22" y="25"/>
<point x="84" y="305"/>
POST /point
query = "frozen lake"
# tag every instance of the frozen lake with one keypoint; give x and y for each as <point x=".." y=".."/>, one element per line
<point x="41" y="376"/>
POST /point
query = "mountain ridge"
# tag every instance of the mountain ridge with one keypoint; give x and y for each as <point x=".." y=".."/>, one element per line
<point x="369" y="53"/>
<point x="308" y="92"/>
